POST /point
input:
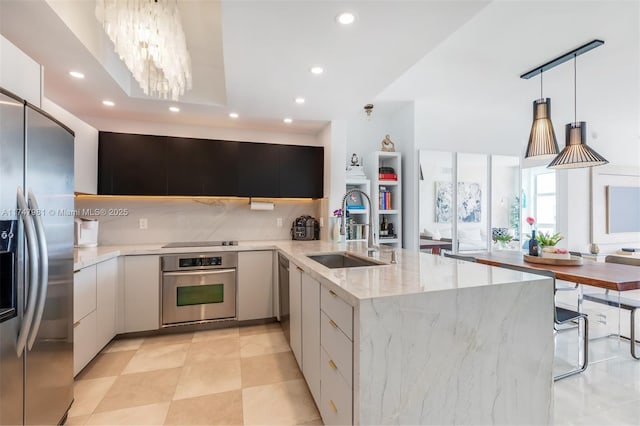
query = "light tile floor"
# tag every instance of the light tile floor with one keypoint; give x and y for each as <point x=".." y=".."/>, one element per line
<point x="249" y="376"/>
<point x="231" y="376"/>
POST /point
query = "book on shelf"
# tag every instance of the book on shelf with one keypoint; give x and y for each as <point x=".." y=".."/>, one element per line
<point x="384" y="199"/>
<point x="387" y="176"/>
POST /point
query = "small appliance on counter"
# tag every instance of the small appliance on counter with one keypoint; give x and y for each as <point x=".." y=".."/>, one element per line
<point x="85" y="232"/>
<point x="305" y="228"/>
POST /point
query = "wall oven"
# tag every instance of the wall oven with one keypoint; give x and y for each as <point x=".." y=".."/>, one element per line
<point x="198" y="287"/>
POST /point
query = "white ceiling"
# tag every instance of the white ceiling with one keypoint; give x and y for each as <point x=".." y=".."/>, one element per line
<point x="253" y="57"/>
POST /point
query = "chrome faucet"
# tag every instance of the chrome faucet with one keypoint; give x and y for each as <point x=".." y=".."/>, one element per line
<point x="371" y="246"/>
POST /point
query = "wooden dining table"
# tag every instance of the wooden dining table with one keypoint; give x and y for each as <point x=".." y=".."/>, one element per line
<point x="611" y="276"/>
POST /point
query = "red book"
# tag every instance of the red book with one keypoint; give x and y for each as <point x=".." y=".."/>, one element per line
<point x="387" y="176"/>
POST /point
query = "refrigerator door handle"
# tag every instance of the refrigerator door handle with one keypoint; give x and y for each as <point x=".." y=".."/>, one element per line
<point x="43" y="268"/>
<point x="29" y="231"/>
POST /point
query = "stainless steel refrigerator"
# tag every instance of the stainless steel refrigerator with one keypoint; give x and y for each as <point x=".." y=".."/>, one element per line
<point x="36" y="265"/>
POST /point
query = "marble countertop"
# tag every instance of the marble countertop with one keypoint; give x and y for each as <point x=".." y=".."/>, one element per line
<point x="414" y="272"/>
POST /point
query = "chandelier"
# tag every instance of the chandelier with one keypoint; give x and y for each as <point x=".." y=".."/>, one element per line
<point x="148" y="37"/>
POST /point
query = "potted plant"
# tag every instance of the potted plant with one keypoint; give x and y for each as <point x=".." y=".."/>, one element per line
<point x="545" y="239"/>
<point x="503" y="240"/>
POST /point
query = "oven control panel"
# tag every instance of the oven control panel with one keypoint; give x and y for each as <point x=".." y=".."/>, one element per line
<point x="199" y="261"/>
<point x="190" y="262"/>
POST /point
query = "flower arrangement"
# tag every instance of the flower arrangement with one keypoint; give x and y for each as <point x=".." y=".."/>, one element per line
<point x="531" y="221"/>
<point x="337" y="213"/>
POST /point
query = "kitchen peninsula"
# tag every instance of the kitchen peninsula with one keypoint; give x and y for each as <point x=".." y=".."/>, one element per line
<point x="429" y="340"/>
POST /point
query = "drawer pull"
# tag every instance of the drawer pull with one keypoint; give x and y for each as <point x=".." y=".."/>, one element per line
<point x="75" y="324"/>
<point x="333" y="406"/>
<point x="333" y="364"/>
<point x="333" y="293"/>
<point x="333" y="324"/>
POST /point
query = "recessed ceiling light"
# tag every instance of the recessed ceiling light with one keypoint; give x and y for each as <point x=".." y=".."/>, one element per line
<point x="76" y="74"/>
<point x="287" y="120"/>
<point x="316" y="70"/>
<point x="174" y="109"/>
<point x="108" y="103"/>
<point x="299" y="100"/>
<point x="346" y="18"/>
<point x="233" y="115"/>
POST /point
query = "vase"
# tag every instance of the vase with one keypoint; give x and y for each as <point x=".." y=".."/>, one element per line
<point x="335" y="231"/>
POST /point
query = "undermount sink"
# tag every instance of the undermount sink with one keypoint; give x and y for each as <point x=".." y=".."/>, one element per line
<point x="344" y="260"/>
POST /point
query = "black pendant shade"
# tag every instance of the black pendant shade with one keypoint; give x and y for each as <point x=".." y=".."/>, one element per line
<point x="576" y="153"/>
<point x="542" y="139"/>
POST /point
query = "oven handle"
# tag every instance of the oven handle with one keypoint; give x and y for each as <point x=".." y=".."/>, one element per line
<point x="208" y="272"/>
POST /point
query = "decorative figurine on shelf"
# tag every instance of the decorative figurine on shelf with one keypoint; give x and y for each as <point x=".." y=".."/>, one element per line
<point x="355" y="169"/>
<point x="388" y="145"/>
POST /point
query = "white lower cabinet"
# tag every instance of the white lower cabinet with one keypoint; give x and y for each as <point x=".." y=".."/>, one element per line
<point x="336" y="406"/>
<point x="321" y="329"/>
<point x="255" y="285"/>
<point x="311" y="334"/>
<point x="107" y="283"/>
<point x="336" y="364"/>
<point x="295" y="311"/>
<point x="94" y="310"/>
<point x="85" y="345"/>
<point x="141" y="293"/>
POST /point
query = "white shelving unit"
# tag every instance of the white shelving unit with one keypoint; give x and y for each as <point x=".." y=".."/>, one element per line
<point x="356" y="223"/>
<point x="389" y="206"/>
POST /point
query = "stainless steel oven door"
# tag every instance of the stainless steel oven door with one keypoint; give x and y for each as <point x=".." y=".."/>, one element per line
<point x="190" y="296"/>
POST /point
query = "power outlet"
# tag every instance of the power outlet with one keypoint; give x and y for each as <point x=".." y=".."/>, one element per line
<point x="279" y="222"/>
<point x="143" y="223"/>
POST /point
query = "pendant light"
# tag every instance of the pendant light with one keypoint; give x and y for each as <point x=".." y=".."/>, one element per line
<point x="576" y="153"/>
<point x="542" y="138"/>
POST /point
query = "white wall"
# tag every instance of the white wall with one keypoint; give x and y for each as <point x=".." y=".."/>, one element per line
<point x="333" y="138"/>
<point x="19" y="74"/>
<point x="402" y="130"/>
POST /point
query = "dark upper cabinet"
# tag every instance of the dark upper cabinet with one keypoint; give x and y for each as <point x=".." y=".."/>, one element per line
<point x="201" y="167"/>
<point x="301" y="171"/>
<point x="258" y="170"/>
<point x="132" y="164"/>
<point x="161" y="165"/>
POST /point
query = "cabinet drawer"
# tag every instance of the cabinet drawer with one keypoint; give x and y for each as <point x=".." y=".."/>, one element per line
<point x="84" y="292"/>
<point x="338" y="347"/>
<point x="84" y="342"/>
<point x="336" y="404"/>
<point x="338" y="310"/>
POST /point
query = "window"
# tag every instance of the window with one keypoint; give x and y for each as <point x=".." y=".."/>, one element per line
<point x="539" y="199"/>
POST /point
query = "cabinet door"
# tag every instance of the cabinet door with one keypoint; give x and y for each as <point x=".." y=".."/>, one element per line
<point x="258" y="170"/>
<point x="255" y="285"/>
<point x="295" y="311"/>
<point x="84" y="292"/>
<point x="201" y="167"/>
<point x="311" y="334"/>
<point x="107" y="281"/>
<point x="301" y="171"/>
<point x="141" y="293"/>
<point x="132" y="164"/>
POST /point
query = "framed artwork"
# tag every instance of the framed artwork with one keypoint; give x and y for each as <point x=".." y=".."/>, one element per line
<point x="469" y="202"/>
<point x="355" y="201"/>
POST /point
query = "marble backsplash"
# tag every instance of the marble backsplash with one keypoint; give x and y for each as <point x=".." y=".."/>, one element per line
<point x="190" y="219"/>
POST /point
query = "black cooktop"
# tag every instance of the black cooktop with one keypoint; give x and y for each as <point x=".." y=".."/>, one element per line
<point x="201" y="244"/>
